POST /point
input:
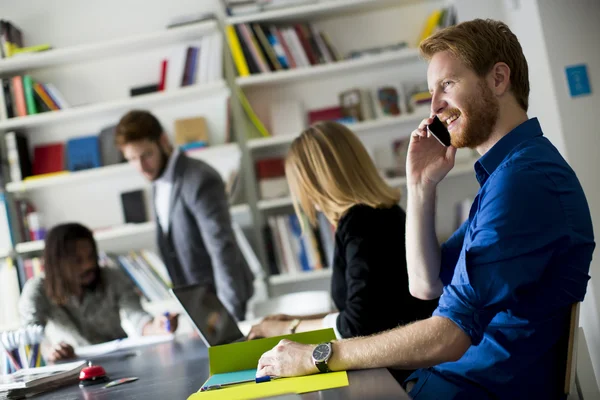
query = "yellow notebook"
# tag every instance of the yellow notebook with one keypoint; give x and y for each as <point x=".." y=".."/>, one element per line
<point x="244" y="356"/>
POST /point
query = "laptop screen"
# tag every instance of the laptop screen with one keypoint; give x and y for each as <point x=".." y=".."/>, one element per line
<point x="213" y="322"/>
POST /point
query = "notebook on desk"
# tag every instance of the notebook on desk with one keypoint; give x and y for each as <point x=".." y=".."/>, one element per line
<point x="210" y="318"/>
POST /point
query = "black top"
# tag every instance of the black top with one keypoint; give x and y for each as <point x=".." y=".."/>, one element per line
<point x="369" y="284"/>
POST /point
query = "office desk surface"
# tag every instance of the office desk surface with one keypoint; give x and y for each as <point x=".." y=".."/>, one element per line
<point x="175" y="370"/>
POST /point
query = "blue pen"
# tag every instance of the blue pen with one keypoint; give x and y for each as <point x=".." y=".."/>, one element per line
<point x="168" y="323"/>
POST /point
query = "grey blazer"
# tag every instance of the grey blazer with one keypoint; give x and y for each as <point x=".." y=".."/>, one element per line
<point x="200" y="245"/>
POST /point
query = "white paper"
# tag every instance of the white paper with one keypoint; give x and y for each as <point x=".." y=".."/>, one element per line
<point x="120" y="344"/>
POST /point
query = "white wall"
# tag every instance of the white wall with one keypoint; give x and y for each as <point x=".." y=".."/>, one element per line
<point x="571" y="32"/>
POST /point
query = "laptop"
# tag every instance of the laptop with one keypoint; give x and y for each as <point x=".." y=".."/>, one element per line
<point x="213" y="322"/>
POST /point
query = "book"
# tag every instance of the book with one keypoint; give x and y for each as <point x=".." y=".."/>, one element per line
<point x="83" y="153"/>
<point x="134" y="206"/>
<point x="189" y="130"/>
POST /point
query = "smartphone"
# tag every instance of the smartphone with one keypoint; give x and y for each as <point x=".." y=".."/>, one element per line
<point x="439" y="131"/>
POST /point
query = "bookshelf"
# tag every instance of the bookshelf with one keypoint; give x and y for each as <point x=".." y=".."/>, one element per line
<point x="111" y="48"/>
<point x="321" y="71"/>
<point x="352" y="25"/>
<point x="92" y="196"/>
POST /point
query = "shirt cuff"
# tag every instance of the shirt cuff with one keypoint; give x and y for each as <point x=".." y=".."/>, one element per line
<point x="141" y="323"/>
<point x="472" y="321"/>
<point x="330" y="321"/>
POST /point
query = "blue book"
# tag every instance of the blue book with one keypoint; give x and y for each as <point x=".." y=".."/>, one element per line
<point x="83" y="153"/>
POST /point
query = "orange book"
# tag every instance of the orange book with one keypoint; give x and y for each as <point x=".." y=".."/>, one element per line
<point x="19" y="96"/>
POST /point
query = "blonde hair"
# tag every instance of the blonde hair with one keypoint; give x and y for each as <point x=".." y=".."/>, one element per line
<point x="328" y="166"/>
<point x="480" y="44"/>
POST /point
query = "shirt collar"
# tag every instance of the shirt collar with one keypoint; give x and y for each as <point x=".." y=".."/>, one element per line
<point x="488" y="163"/>
<point x="169" y="173"/>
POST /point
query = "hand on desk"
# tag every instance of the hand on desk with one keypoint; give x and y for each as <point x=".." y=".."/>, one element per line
<point x="161" y="325"/>
<point x="279" y="317"/>
<point x="269" y="328"/>
<point x="61" y="351"/>
<point x="287" y="359"/>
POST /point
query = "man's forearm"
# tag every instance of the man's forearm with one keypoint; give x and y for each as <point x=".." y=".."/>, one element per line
<point x="422" y="247"/>
<point x="418" y="345"/>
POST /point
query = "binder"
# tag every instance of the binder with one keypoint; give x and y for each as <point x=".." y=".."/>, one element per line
<point x="236" y="359"/>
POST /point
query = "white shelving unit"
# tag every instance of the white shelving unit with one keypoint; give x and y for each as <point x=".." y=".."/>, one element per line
<point x="351" y="25"/>
<point x="112" y="48"/>
<point x="319" y="9"/>
<point x="49" y="126"/>
<point x="459" y="169"/>
<point x="319" y="71"/>
<point x="300" y="277"/>
<point x="124" y="232"/>
<point x="358" y="127"/>
<point x="107" y="172"/>
<point x="86" y="111"/>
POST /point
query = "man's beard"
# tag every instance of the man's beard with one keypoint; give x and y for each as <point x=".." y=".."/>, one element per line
<point x="94" y="284"/>
<point x="164" y="160"/>
<point x="479" y="118"/>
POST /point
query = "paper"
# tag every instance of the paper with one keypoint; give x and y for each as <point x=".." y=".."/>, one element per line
<point x="120" y="344"/>
<point x="31" y="377"/>
<point x="229" y="378"/>
<point x="244" y="356"/>
<point x="251" y="390"/>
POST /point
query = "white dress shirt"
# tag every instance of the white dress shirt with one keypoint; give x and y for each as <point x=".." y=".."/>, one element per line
<point x="162" y="192"/>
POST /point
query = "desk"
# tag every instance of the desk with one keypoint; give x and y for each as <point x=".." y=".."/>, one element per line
<point x="177" y="369"/>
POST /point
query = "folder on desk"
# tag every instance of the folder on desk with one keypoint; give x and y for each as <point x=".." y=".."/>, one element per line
<point x="227" y="360"/>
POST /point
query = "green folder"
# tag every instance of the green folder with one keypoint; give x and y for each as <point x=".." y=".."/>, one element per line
<point x="242" y="356"/>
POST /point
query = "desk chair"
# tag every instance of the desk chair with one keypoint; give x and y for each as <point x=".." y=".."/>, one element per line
<point x="570" y="388"/>
<point x="580" y="382"/>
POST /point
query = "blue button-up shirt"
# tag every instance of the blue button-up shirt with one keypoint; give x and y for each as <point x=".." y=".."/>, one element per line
<point x="512" y="272"/>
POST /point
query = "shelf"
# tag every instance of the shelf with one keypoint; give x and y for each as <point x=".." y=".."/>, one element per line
<point x="300" y="276"/>
<point x="358" y="127"/>
<point x="274" y="203"/>
<point x="108" y="171"/>
<point x="118" y="232"/>
<point x="461" y="168"/>
<point x="102" y="50"/>
<point x="271" y="78"/>
<point x="318" y="9"/>
<point x="55" y="117"/>
<point x="4" y="253"/>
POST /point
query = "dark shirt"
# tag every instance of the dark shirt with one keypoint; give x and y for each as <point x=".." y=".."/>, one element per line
<point x="369" y="284"/>
<point x="512" y="272"/>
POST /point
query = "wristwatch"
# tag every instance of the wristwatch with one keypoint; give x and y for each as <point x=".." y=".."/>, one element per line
<point x="321" y="354"/>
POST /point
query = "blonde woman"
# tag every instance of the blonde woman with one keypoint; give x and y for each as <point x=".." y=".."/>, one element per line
<point x="329" y="170"/>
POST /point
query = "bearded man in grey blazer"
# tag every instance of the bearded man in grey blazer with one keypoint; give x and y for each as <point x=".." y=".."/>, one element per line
<point x="194" y="231"/>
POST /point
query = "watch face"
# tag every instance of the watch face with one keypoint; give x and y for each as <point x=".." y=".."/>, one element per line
<point x="321" y="352"/>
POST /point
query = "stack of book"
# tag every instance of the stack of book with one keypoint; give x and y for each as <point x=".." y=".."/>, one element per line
<point x="260" y="48"/>
<point x="21" y="96"/>
<point x="11" y="41"/>
<point x="146" y="270"/>
<point x="291" y="251"/>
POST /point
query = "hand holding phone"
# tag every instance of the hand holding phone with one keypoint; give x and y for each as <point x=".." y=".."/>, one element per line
<point x="439" y="131"/>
